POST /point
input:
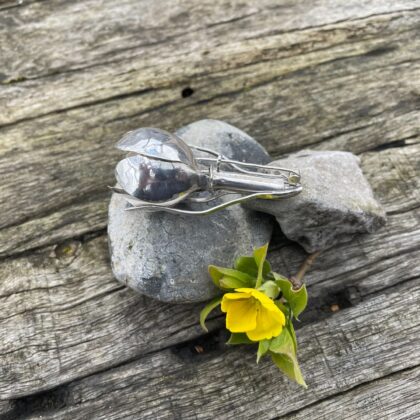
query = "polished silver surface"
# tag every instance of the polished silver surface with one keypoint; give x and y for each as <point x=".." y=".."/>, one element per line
<point x="157" y="144"/>
<point x="156" y="180"/>
<point x="161" y="171"/>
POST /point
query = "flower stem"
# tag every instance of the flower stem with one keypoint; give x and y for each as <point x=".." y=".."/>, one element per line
<point x="296" y="280"/>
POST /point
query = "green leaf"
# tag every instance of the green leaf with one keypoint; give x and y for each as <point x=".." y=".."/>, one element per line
<point x="217" y="273"/>
<point x="249" y="266"/>
<point x="297" y="299"/>
<point x="263" y="347"/>
<point x="270" y="289"/>
<point x="283" y="343"/>
<point x="230" y="283"/>
<point x="260" y="255"/>
<point x="283" y="307"/>
<point x="206" y="311"/>
<point x="283" y="352"/>
<point x="239" y="338"/>
<point x="291" y="328"/>
<point x="290" y="367"/>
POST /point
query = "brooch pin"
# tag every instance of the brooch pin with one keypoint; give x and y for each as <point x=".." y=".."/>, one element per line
<point x="161" y="172"/>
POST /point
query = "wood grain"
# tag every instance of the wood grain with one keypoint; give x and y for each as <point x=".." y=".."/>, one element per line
<point x="49" y="296"/>
<point x="394" y="397"/>
<point x="75" y="76"/>
<point x="355" y="346"/>
<point x="64" y="316"/>
<point x="293" y="76"/>
<point x="86" y="207"/>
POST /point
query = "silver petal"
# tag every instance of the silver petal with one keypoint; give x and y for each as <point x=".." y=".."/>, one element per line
<point x="157" y="144"/>
<point x="153" y="180"/>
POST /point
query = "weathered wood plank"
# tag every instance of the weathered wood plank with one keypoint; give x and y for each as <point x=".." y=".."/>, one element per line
<point x="318" y="77"/>
<point x="232" y="64"/>
<point x="64" y="315"/>
<point x="397" y="169"/>
<point x="291" y="74"/>
<point x="76" y="200"/>
<point x="47" y="299"/>
<point x="5" y="408"/>
<point x="395" y="397"/>
<point x="8" y="4"/>
<point x="141" y="27"/>
<point x="367" y="264"/>
<point x="355" y="346"/>
<point x="221" y="65"/>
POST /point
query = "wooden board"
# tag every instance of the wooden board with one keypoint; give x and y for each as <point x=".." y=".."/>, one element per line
<point x="75" y="76"/>
<point x="395" y="396"/>
<point x="292" y="75"/>
<point x="358" y="345"/>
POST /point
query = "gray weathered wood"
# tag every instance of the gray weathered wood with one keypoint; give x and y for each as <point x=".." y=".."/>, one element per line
<point x="331" y="82"/>
<point x="355" y="346"/>
<point x="64" y="316"/>
<point x="50" y="296"/>
<point x="75" y="76"/>
<point x="395" y="397"/>
<point x="85" y="207"/>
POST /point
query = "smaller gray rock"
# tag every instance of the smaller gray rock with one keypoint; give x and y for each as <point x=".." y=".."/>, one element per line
<point x="336" y="202"/>
<point x="166" y="256"/>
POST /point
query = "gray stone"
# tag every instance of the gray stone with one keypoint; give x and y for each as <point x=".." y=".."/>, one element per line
<point x="335" y="204"/>
<point x="166" y="256"/>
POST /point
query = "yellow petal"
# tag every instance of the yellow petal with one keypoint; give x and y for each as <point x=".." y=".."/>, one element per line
<point x="229" y="298"/>
<point x="242" y="295"/>
<point x="269" y="324"/>
<point x="247" y="290"/>
<point x="241" y="316"/>
<point x="264" y="300"/>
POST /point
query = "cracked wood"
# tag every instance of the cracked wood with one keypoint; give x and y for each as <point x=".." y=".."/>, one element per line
<point x="352" y="348"/>
<point x="49" y="296"/>
<point x="292" y="75"/>
<point x="76" y="75"/>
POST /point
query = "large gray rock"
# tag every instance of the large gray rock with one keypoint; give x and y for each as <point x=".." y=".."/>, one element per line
<point x="335" y="204"/>
<point x="166" y="256"/>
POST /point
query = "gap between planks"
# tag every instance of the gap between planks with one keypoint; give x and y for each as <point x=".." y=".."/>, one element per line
<point x="349" y="350"/>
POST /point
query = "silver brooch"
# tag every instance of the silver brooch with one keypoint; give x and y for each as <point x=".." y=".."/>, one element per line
<point x="163" y="173"/>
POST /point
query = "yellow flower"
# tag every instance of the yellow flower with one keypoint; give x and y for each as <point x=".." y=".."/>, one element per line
<point x="252" y="312"/>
